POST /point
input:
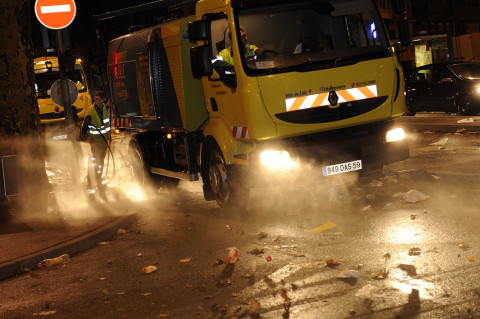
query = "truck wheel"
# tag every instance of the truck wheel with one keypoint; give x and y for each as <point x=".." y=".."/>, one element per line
<point x="464" y="107"/>
<point x="139" y="167"/>
<point x="226" y="194"/>
<point x="410" y="109"/>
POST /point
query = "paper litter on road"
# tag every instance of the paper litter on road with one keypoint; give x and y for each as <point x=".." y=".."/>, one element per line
<point x="469" y="120"/>
<point x="347" y="273"/>
<point x="441" y="142"/>
<point x="324" y="227"/>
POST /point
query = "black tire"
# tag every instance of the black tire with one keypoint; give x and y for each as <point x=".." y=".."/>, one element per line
<point x="464" y="107"/>
<point x="410" y="108"/>
<point x="217" y="185"/>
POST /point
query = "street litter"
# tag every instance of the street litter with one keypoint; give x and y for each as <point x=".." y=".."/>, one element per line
<point x="185" y="260"/>
<point x="269" y="258"/>
<point x="413" y="196"/>
<point x="121" y="231"/>
<point x="139" y="255"/>
<point x="257" y="252"/>
<point x="53" y="261"/>
<point x="376" y="183"/>
<point x="381" y="274"/>
<point x="441" y="142"/>
<point x="366" y="292"/>
<point x="225" y="282"/>
<point x="45" y="313"/>
<point x="332" y="262"/>
<point x="461" y="130"/>
<point x="463" y="246"/>
<point x="370" y="196"/>
<point x="102" y="243"/>
<point x="469" y="120"/>
<point x="255" y="305"/>
<point x="415" y="251"/>
<point x="436" y="177"/>
<point x="285" y="297"/>
<point x="409" y="269"/>
<point x="149" y="269"/>
<point x="364" y="209"/>
<point x="232" y="255"/>
<point x="324" y="227"/>
<point x="262" y="235"/>
<point x="218" y="262"/>
<point x="348" y="273"/>
<point x="470" y="258"/>
<point x="387" y="256"/>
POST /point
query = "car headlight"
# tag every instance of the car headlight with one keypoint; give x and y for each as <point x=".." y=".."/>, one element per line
<point x="395" y="135"/>
<point x="478" y="89"/>
<point x="275" y="160"/>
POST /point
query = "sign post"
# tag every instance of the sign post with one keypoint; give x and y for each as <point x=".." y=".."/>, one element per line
<point x="57" y="15"/>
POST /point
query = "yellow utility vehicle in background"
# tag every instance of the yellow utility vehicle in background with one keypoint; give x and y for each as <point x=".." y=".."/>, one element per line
<point x="46" y="73"/>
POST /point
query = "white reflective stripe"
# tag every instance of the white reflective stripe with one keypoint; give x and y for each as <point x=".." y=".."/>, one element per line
<point x="357" y="94"/>
<point x="95" y="132"/>
<point x="308" y="101"/>
<point x="106" y="120"/>
<point x="373" y="88"/>
<point x="217" y="58"/>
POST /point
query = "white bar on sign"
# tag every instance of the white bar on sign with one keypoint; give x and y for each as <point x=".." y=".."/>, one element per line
<point x="55" y="9"/>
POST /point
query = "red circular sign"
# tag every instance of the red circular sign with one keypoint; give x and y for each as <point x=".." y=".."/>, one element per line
<point x="55" y="14"/>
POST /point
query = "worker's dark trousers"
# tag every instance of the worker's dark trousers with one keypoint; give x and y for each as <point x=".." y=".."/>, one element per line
<point x="95" y="167"/>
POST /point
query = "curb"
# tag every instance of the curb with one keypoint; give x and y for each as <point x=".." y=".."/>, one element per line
<point x="85" y="242"/>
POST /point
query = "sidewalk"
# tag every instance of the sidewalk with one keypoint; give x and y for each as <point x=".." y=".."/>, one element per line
<point x="23" y="243"/>
<point x="26" y="242"/>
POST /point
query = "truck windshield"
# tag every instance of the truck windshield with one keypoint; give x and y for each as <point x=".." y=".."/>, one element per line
<point x="303" y="37"/>
<point x="44" y="78"/>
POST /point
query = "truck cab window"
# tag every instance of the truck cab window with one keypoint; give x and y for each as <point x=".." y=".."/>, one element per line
<point x="313" y="38"/>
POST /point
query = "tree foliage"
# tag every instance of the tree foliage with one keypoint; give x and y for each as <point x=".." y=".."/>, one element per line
<point x="19" y="118"/>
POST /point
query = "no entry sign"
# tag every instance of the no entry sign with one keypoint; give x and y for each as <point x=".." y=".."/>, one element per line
<point x="55" y="14"/>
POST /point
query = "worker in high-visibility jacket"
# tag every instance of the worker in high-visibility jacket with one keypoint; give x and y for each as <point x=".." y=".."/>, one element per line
<point x="223" y="62"/>
<point x="96" y="127"/>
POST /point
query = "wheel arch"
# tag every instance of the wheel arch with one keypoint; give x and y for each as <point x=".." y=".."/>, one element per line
<point x="218" y="134"/>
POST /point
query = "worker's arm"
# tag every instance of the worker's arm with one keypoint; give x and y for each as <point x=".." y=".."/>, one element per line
<point x="84" y="131"/>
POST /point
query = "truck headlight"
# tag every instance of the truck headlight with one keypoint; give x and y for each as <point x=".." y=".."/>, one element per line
<point x="275" y="160"/>
<point x="395" y="135"/>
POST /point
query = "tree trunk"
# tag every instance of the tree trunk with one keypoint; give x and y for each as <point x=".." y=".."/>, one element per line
<point x="19" y="116"/>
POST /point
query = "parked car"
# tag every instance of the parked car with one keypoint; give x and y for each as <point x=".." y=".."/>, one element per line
<point x="444" y="87"/>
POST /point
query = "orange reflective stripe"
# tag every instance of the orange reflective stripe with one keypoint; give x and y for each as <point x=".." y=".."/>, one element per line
<point x="319" y="99"/>
<point x="368" y="94"/>
<point x="346" y="95"/>
<point x="297" y="103"/>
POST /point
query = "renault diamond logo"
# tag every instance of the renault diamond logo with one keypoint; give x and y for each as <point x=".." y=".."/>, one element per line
<point x="333" y="98"/>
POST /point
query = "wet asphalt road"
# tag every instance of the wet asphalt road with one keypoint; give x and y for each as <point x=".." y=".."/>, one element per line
<point x="401" y="254"/>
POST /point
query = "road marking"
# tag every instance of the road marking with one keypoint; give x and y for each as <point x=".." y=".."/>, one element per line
<point x="55" y="9"/>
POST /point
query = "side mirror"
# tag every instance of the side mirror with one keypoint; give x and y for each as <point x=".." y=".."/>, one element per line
<point x="197" y="30"/>
<point x="404" y="32"/>
<point x="201" y="61"/>
<point x="398" y="6"/>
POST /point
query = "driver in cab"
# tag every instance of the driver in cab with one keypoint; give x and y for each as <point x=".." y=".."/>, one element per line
<point x="223" y="62"/>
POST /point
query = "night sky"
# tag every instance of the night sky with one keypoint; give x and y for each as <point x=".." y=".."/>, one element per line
<point x="82" y="29"/>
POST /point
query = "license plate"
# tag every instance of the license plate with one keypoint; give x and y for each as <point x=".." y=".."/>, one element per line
<point x="342" y="168"/>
